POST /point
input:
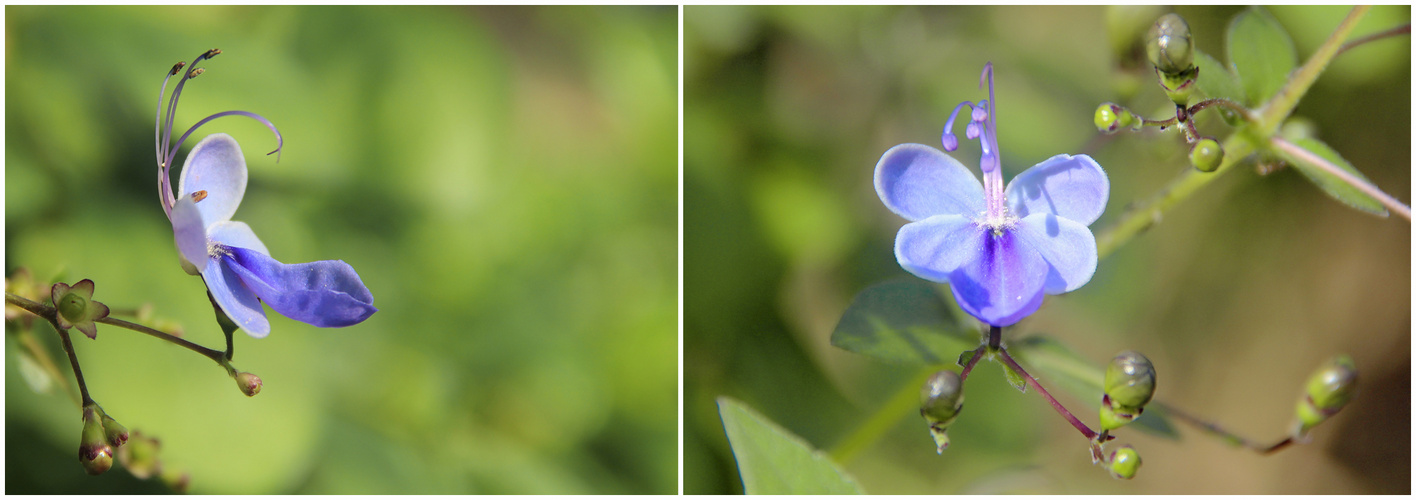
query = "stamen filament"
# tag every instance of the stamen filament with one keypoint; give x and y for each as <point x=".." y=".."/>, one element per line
<point x="280" y="141"/>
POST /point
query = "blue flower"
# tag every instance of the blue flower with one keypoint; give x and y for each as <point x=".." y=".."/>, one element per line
<point x="999" y="249"/>
<point x="234" y="263"/>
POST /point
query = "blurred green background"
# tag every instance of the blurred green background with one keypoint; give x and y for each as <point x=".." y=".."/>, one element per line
<point x="503" y="179"/>
<point x="1236" y="296"/>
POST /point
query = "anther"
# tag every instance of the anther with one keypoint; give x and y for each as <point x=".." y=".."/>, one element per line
<point x="195" y="72"/>
<point x="199" y="196"/>
<point x="972" y="130"/>
<point x="177" y="67"/>
<point x="211" y="53"/>
<point x="979" y="114"/>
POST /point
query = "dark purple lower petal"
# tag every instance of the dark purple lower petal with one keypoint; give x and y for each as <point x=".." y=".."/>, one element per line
<point x="326" y="293"/>
<point x="1004" y="283"/>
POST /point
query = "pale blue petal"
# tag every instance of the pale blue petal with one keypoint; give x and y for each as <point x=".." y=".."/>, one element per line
<point x="216" y="166"/>
<point x="934" y="247"/>
<point x="1067" y="246"/>
<point x="236" y="234"/>
<point x="326" y="293"/>
<point x="1003" y="283"/>
<point x="1073" y="187"/>
<point x="918" y="182"/>
<point x="189" y="232"/>
<point x="237" y="301"/>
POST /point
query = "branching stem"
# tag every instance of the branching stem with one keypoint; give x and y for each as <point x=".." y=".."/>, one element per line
<point x="73" y="361"/>
<point x="1215" y="429"/>
<point x="1061" y="410"/>
<point x="48" y="312"/>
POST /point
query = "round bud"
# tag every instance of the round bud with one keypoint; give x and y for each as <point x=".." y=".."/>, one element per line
<point x="1106" y="117"/>
<point x="1333" y="385"/>
<point x="942" y="397"/>
<point x="1124" y="462"/>
<point x="1327" y="391"/>
<point x="72" y="306"/>
<point x="1169" y="46"/>
<point x="1206" y="154"/>
<point x="249" y="383"/>
<point x="1130" y="381"/>
<point x="940" y="401"/>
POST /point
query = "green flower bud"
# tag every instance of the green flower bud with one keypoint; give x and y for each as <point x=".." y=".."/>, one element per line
<point x="1328" y="391"/>
<point x="1130" y="380"/>
<point x="1169" y="46"/>
<point x="249" y="383"/>
<point x="113" y="431"/>
<point x="940" y="401"/>
<point x="1206" y="154"/>
<point x="140" y="456"/>
<point x="1111" y="117"/>
<point x="1124" y="462"/>
<point x="94" y="452"/>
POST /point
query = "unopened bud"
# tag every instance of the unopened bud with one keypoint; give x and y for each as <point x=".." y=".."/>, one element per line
<point x="1328" y="391"/>
<point x="1206" y="154"/>
<point x="114" y="432"/>
<point x="940" y="401"/>
<point x="1129" y="385"/>
<point x="1130" y="380"/>
<point x="1169" y="46"/>
<point x="94" y="451"/>
<point x="1124" y="462"/>
<point x="249" y="383"/>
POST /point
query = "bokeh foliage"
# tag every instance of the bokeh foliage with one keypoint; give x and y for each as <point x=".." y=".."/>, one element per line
<point x="503" y="179"/>
<point x="1236" y="295"/>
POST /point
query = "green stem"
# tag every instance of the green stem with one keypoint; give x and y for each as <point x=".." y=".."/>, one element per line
<point x="1272" y="114"/>
<point x="882" y="420"/>
<point x="73" y="361"/>
<point x="1305" y="156"/>
<point x="1151" y="211"/>
<point x="1215" y="429"/>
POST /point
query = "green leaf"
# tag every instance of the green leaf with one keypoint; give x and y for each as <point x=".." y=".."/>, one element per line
<point x="1055" y="365"/>
<point x="1329" y="183"/>
<point x="1215" y="79"/>
<point x="1261" y="53"/>
<point x="903" y="321"/>
<point x="1014" y="378"/>
<point x="773" y="461"/>
<point x="966" y="356"/>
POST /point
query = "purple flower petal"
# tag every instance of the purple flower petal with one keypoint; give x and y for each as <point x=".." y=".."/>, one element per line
<point x="1073" y="187"/>
<point x="1066" y="245"/>
<point x="1003" y="283"/>
<point x="325" y="293"/>
<point x="216" y="166"/>
<point x="934" y="247"/>
<point x="235" y="299"/>
<point x="189" y="233"/>
<point x="917" y="182"/>
<point x="236" y="234"/>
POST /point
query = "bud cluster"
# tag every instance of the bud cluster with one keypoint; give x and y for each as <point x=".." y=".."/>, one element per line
<point x="1129" y="385"/>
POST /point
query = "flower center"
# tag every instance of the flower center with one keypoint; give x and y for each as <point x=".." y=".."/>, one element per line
<point x="72" y="306"/>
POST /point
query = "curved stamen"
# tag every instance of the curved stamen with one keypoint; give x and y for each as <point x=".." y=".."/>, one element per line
<point x="280" y="141"/>
<point x="164" y="192"/>
<point x="991" y="131"/>
<point x="177" y="93"/>
<point x="950" y="141"/>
